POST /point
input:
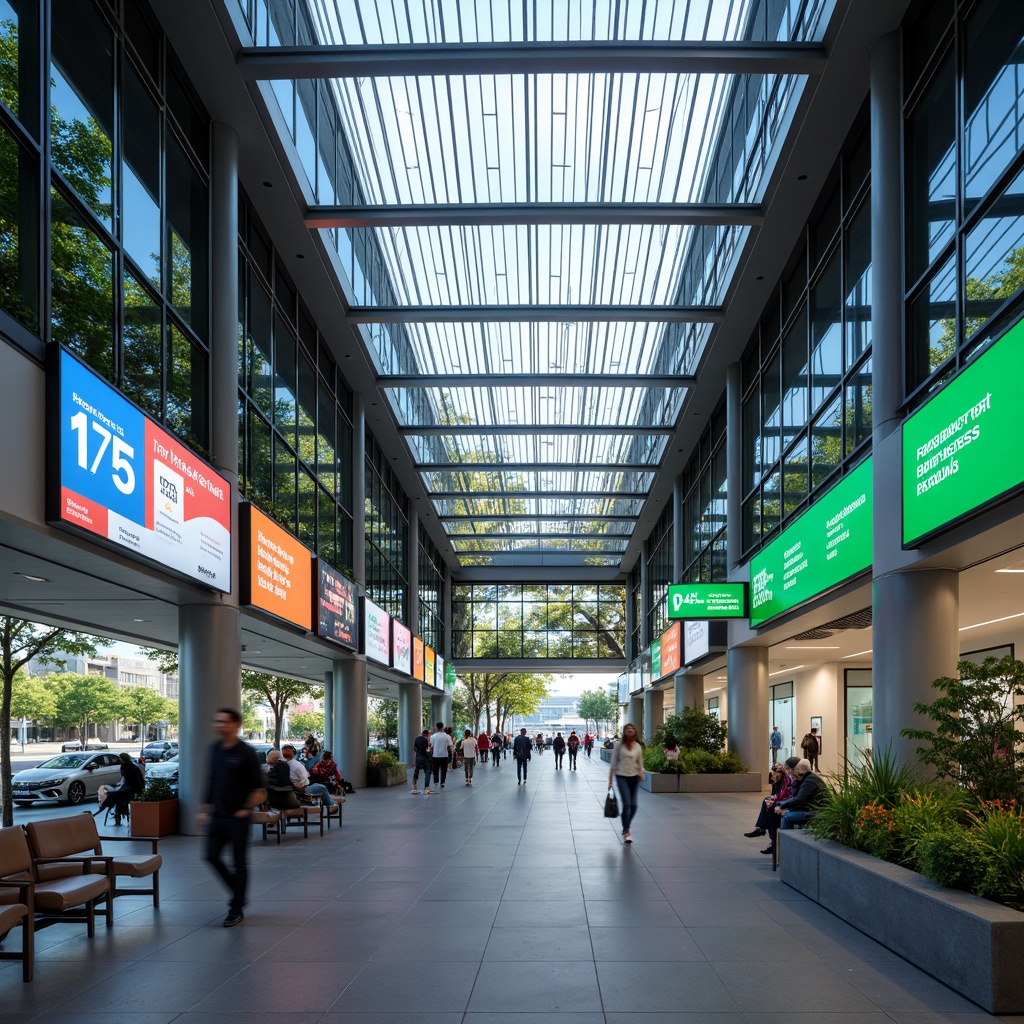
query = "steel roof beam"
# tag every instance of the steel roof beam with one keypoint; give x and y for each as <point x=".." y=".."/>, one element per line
<point x="624" y="537"/>
<point x="532" y="380"/>
<point x="528" y="495"/>
<point x="418" y="215"/>
<point x="516" y="517"/>
<point x="585" y="57"/>
<point x="500" y="430"/>
<point x="540" y="314"/>
<point x="537" y="467"/>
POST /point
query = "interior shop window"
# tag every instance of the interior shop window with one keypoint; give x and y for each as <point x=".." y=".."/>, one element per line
<point x="82" y="103"/>
<point x="859" y="716"/>
<point x="19" y="232"/>
<point x="19" y="68"/>
<point x="81" y="288"/>
<point x="142" y="349"/>
<point x="993" y="94"/>
<point x="140" y="176"/>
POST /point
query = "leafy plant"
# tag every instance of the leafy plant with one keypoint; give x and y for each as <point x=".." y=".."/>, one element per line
<point x="695" y="729"/>
<point x="949" y="856"/>
<point x="976" y="721"/>
<point x="928" y="810"/>
<point x="877" y="832"/>
<point x="156" y="790"/>
<point x="999" y="835"/>
<point x="654" y="759"/>
<point x="837" y="814"/>
<point x="382" y="759"/>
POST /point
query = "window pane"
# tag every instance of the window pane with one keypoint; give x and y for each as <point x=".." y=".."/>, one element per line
<point x="284" y="380"/>
<point x="771" y="501"/>
<point x="140" y="224"/>
<point x="751" y="442"/>
<point x="143" y="378"/>
<point x="307" y="509"/>
<point x="284" y="484"/>
<point x="858" y="284"/>
<point x="826" y="334"/>
<point x="260" y="465"/>
<point x="326" y="448"/>
<point x="931" y="172"/>
<point x="82" y="103"/>
<point x="932" y="326"/>
<point x="772" y="411"/>
<point x="187" y="386"/>
<point x="260" y="348"/>
<point x="994" y="257"/>
<point x="307" y="412"/>
<point x="826" y="443"/>
<point x="794" y="378"/>
<point x="993" y="94"/>
<point x="19" y="41"/>
<point x="326" y="537"/>
<point x="81" y="285"/>
<point x="857" y="412"/>
<point x="187" y="241"/>
<point x="795" y="478"/>
<point x="19" y="233"/>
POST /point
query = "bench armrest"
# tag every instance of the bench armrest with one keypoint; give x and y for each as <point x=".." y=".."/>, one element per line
<point x="152" y="840"/>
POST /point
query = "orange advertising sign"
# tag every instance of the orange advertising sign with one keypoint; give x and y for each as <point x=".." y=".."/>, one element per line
<point x="672" y="649"/>
<point x="428" y="666"/>
<point x="279" y="570"/>
<point x="417" y="658"/>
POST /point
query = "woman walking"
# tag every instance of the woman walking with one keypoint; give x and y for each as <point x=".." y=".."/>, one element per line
<point x="627" y="769"/>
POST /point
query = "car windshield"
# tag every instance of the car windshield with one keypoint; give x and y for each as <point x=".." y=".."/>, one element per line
<point x="66" y="761"/>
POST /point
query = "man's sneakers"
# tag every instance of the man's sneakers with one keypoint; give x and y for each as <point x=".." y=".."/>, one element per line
<point x="234" y="917"/>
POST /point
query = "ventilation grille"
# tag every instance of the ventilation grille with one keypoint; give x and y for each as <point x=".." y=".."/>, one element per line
<point x="856" y="620"/>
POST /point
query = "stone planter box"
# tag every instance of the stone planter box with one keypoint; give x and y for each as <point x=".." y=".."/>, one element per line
<point x="386" y="776"/>
<point x="606" y="755"/>
<point x="154" y="817"/>
<point x="740" y="782"/>
<point x="972" y="945"/>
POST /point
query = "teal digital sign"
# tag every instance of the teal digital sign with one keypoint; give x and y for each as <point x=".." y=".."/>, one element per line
<point x="828" y="544"/>
<point x="965" y="446"/>
<point x="707" y="601"/>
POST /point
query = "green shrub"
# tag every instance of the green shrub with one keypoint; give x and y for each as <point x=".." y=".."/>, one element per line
<point x="837" y="815"/>
<point x="731" y="763"/>
<point x="695" y="729"/>
<point x="382" y="759"/>
<point x="876" y="831"/>
<point x="927" y="810"/>
<point x="949" y="856"/>
<point x="157" y="789"/>
<point x="999" y="834"/>
<point x="654" y="759"/>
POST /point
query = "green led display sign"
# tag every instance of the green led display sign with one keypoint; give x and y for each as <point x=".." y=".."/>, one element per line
<point x="828" y="544"/>
<point x="965" y="447"/>
<point x="707" y="601"/>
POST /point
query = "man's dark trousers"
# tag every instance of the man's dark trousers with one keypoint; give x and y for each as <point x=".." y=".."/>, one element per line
<point x="221" y="832"/>
<point x="521" y="765"/>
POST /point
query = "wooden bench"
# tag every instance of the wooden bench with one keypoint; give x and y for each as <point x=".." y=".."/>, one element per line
<point x="75" y="837"/>
<point x="22" y="913"/>
<point x="67" y="885"/>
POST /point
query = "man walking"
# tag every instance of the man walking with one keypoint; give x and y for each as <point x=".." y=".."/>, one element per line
<point x="775" y="743"/>
<point x="497" y="742"/>
<point x="234" y="790"/>
<point x="441" y="749"/>
<point x="573" y="745"/>
<point x="558" y="746"/>
<point x="522" y="751"/>
<point x="421" y="746"/>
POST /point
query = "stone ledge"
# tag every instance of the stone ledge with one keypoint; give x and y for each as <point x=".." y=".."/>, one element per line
<point x="740" y="782"/>
<point x="970" y="944"/>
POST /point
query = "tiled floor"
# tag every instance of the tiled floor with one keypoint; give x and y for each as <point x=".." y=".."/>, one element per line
<point x="485" y="906"/>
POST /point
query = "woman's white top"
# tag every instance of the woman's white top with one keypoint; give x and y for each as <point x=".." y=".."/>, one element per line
<point x="626" y="761"/>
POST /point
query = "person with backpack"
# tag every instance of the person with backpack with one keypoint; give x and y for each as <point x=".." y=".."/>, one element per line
<point x="558" y="746"/>
<point x="573" y="745"/>
<point x="497" y="742"/>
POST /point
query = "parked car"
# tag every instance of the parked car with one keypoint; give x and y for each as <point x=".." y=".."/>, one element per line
<point x="166" y="769"/>
<point x="66" y="778"/>
<point x="77" y="745"/>
<point x="160" y="750"/>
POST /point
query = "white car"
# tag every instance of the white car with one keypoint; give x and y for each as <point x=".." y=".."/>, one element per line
<point x="66" y="778"/>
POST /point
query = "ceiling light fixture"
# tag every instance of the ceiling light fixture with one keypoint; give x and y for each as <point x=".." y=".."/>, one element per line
<point x="978" y="625"/>
<point x="836" y="648"/>
<point x="857" y="655"/>
<point x="784" y="671"/>
<point x="34" y="579"/>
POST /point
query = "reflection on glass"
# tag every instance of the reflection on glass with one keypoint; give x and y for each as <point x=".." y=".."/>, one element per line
<point x="857" y="410"/>
<point x="826" y="334"/>
<point x="187" y="389"/>
<point x="795" y="479"/>
<point x="827" y="442"/>
<point x="81" y="288"/>
<point x="143" y="375"/>
<point x="932" y="325"/>
<point x="19" y="78"/>
<point x="82" y="104"/>
<point x="19" y="233"/>
<point x="859" y="710"/>
<point x="857" y="291"/>
<point x="187" y="240"/>
<point x="140" y="170"/>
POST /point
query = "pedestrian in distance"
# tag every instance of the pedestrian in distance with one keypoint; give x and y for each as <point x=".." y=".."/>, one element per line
<point x="469" y="749"/>
<point x="442" y="748"/>
<point x="811" y="746"/>
<point x="497" y="742"/>
<point x="572" y="744"/>
<point x="483" y="746"/>
<point x="452" y="752"/>
<point x="234" y="790"/>
<point x="775" y="743"/>
<point x="627" y="770"/>
<point x="588" y="743"/>
<point x="421" y="749"/>
<point x="522" y="751"/>
<point x="558" y="746"/>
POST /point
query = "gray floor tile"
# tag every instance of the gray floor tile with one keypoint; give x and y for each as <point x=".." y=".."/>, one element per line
<point x="381" y="987"/>
<point x="663" y="988"/>
<point x="667" y="943"/>
<point x="558" y="988"/>
<point x="282" y="987"/>
<point x="464" y="942"/>
<point x="555" y="940"/>
<point x="821" y="989"/>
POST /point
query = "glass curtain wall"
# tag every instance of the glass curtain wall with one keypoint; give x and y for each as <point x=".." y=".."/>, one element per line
<point x="634" y="598"/>
<point x="539" y="621"/>
<point x="387" y="532"/>
<point x="295" y="412"/>
<point x="964" y="198"/>
<point x="806" y="412"/>
<point x="429" y="623"/>
<point x="704" y="506"/>
<point x="659" y="572"/>
<point x="104" y="160"/>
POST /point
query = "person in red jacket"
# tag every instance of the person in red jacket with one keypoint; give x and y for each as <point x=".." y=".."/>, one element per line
<point x="573" y="746"/>
<point x="483" y="745"/>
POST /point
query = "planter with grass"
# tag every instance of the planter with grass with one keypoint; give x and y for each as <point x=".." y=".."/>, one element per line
<point x="155" y="811"/>
<point x="384" y="769"/>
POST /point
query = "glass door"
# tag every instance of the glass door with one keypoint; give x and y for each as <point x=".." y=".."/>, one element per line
<point x="782" y="713"/>
<point x="858" y="716"/>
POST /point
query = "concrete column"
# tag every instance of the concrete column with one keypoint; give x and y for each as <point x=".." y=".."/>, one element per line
<point x="748" y="705"/>
<point x="358" y="489"/>
<point x="916" y="639"/>
<point x="350" y="719"/>
<point x="328" y="709"/>
<point x="447" y="714"/>
<point x="437" y="710"/>
<point x="886" y="238"/>
<point x="412" y="573"/>
<point x="410" y="719"/>
<point x="689" y="691"/>
<point x="654" y="713"/>
<point x="209" y="632"/>
<point x="734" y="464"/>
<point x="210" y="677"/>
<point x="636" y="713"/>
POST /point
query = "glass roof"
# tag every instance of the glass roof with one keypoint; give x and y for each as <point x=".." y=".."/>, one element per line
<point x="546" y="460"/>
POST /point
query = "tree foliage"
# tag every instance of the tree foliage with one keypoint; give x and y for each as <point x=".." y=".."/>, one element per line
<point x="83" y="700"/>
<point x="382" y="720"/>
<point x="974" y="739"/>
<point x="31" y="697"/>
<point x="20" y="642"/>
<point x="491" y="698"/>
<point x="141" y="706"/>
<point x="276" y="692"/>
<point x="598" y="707"/>
<point x="307" y="721"/>
<point x="694" y="729"/>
